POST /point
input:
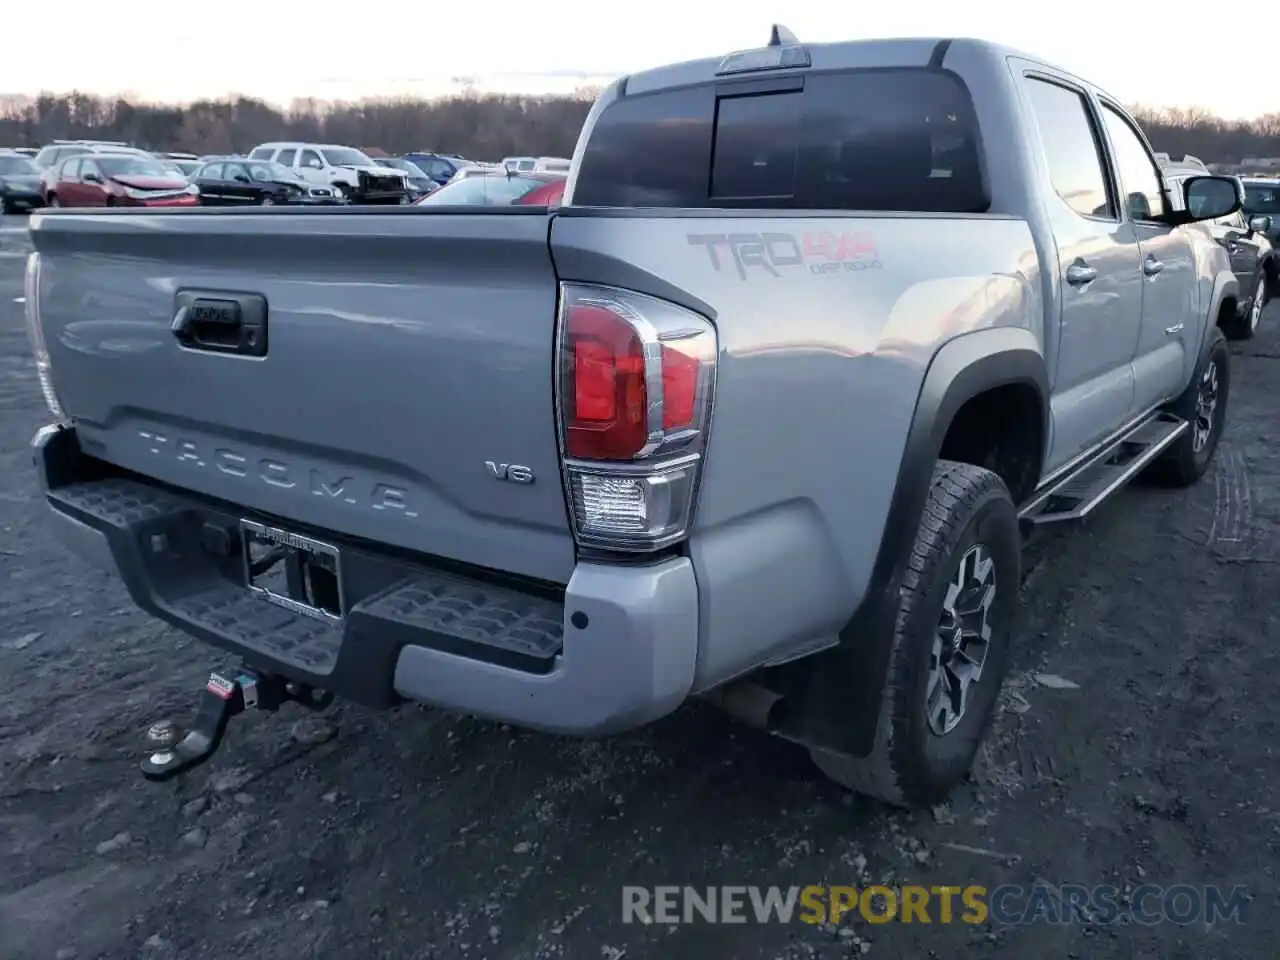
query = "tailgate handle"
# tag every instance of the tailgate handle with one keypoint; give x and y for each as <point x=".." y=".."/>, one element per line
<point x="218" y="321"/>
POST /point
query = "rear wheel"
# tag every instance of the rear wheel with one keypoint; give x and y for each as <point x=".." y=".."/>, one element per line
<point x="1204" y="405"/>
<point x="950" y="646"/>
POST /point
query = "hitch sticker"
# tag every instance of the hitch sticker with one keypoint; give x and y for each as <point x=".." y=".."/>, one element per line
<point x="220" y="686"/>
<point x="819" y="252"/>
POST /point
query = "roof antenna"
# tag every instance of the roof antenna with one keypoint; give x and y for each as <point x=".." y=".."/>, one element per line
<point x="781" y="36"/>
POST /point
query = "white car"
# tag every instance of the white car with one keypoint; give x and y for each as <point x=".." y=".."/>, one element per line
<point x="346" y="169"/>
<point x="536" y="164"/>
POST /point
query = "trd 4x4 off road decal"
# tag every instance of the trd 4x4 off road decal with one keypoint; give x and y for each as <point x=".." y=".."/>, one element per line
<point x="818" y="252"/>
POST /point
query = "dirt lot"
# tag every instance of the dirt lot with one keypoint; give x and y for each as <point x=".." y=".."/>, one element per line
<point x="420" y="835"/>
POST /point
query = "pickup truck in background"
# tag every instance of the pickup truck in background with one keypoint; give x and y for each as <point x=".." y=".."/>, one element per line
<point x="761" y="414"/>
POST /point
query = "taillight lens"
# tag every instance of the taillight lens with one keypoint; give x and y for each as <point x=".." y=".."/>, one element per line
<point x="635" y="376"/>
<point x="35" y="334"/>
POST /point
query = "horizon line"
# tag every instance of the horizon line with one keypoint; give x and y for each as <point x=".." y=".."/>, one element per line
<point x="461" y="86"/>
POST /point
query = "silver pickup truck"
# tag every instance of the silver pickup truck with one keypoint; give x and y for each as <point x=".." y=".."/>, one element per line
<point x="761" y="414"/>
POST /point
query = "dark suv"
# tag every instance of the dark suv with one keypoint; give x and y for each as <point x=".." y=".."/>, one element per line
<point x="1246" y="236"/>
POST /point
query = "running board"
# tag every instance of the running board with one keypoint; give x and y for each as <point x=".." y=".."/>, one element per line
<point x="1077" y="494"/>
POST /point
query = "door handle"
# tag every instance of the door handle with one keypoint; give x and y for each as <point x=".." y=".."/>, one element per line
<point x="1080" y="273"/>
<point x="1174" y="330"/>
<point x="1151" y="266"/>
<point x="218" y="322"/>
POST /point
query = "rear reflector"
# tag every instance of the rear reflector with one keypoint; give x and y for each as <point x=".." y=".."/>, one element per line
<point x="635" y="378"/>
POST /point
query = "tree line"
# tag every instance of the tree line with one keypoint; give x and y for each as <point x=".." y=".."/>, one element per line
<point x="481" y="126"/>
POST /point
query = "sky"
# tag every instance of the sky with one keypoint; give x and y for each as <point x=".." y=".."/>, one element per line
<point x="1141" y="58"/>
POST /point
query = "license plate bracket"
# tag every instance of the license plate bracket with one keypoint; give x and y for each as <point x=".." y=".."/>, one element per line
<point x="293" y="571"/>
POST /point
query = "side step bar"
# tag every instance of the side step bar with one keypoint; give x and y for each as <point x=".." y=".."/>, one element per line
<point x="1077" y="494"/>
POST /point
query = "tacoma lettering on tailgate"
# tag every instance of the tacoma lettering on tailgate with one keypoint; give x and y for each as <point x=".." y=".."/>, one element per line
<point x="820" y="252"/>
<point x="283" y="475"/>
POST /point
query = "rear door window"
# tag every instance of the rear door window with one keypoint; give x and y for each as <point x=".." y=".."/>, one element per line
<point x="1072" y="148"/>
<point x="899" y="139"/>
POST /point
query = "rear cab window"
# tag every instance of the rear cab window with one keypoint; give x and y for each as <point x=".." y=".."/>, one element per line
<point x="902" y="139"/>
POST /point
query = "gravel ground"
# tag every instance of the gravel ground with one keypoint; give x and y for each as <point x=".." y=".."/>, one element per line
<point x="421" y="835"/>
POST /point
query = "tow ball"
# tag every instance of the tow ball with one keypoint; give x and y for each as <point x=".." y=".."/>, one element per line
<point x="172" y="750"/>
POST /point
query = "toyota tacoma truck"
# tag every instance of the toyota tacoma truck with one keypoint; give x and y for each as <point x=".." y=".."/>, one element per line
<point x="760" y="414"/>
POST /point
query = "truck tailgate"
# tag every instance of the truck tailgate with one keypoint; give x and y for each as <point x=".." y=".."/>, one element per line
<point x="408" y="363"/>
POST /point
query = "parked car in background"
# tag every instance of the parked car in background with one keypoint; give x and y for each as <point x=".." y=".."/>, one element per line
<point x="438" y="166"/>
<point x="49" y="157"/>
<point x="185" y="166"/>
<point x="1244" y="237"/>
<point x="172" y="166"/>
<point x="537" y="164"/>
<point x="473" y="169"/>
<point x="419" y="183"/>
<point x="19" y="183"/>
<point x="243" y="183"/>
<point x="119" y="180"/>
<point x="1262" y="199"/>
<point x="501" y="188"/>
<point x="353" y="174"/>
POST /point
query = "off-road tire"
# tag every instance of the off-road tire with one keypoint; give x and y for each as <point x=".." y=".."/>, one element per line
<point x="1181" y="465"/>
<point x="909" y="764"/>
<point x="1243" y="325"/>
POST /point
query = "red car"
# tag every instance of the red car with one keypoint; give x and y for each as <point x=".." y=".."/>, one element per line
<point x="119" y="180"/>
<point x="501" y="188"/>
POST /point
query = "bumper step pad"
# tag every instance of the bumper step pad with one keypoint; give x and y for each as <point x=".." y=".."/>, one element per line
<point x="155" y="538"/>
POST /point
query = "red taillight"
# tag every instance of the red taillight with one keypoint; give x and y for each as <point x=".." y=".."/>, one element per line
<point x="679" y="389"/>
<point x="609" y="413"/>
<point x="606" y="418"/>
<point x="635" y="378"/>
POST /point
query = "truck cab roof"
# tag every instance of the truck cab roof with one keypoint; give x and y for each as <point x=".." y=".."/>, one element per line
<point x="841" y="55"/>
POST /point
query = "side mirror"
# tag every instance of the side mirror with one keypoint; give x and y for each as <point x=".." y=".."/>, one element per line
<point x="1260" y="224"/>
<point x="1208" y="198"/>
<point x="91" y="178"/>
<point x="241" y="178"/>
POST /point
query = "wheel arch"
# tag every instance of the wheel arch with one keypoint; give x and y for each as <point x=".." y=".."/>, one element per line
<point x="839" y="704"/>
<point x="1224" y="302"/>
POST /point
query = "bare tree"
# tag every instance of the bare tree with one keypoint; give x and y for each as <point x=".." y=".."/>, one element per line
<point x="470" y="123"/>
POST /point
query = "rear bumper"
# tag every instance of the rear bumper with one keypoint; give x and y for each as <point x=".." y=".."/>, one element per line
<point x="615" y="649"/>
